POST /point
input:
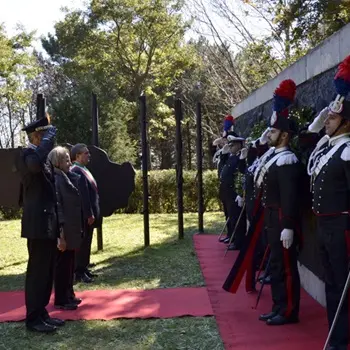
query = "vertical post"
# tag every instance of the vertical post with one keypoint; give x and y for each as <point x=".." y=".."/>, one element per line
<point x="143" y="121"/>
<point x="95" y="142"/>
<point x="200" y="167"/>
<point x="40" y="106"/>
<point x="94" y="113"/>
<point x="189" y="146"/>
<point x="179" y="173"/>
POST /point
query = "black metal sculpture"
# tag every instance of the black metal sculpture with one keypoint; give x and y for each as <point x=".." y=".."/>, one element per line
<point x="115" y="182"/>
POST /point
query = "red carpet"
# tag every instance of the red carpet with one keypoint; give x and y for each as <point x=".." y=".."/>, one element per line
<point x="112" y="304"/>
<point x="238" y="323"/>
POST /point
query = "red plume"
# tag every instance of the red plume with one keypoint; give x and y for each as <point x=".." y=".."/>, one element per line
<point x="287" y="89"/>
<point x="230" y="118"/>
<point x="344" y="70"/>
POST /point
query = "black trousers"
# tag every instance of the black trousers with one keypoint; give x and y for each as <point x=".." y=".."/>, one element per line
<point x="39" y="278"/>
<point x="334" y="243"/>
<point x="285" y="280"/>
<point x="83" y="254"/>
<point x="232" y="211"/>
<point x="64" y="277"/>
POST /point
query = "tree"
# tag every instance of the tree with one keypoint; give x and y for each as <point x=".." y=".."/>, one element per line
<point x="17" y="67"/>
<point x="122" y="48"/>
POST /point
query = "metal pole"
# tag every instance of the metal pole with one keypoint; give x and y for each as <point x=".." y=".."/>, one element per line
<point x="340" y="305"/>
<point x="179" y="173"/>
<point x="40" y="106"/>
<point x="223" y="229"/>
<point x="95" y="142"/>
<point x="94" y="113"/>
<point x="267" y="270"/>
<point x="234" y="231"/>
<point x="200" y="168"/>
<point x="143" y="120"/>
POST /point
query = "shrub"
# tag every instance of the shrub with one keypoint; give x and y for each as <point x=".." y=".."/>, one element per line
<point x="163" y="192"/>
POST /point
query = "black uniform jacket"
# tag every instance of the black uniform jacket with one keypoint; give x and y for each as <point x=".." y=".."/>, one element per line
<point x="39" y="219"/>
<point x="331" y="188"/>
<point x="281" y="185"/>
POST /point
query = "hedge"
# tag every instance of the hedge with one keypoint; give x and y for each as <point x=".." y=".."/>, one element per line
<point x="163" y="193"/>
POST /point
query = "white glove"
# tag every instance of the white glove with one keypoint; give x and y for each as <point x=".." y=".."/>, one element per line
<point x="287" y="237"/>
<point x="244" y="153"/>
<point x="225" y="149"/>
<point x="263" y="138"/>
<point x="239" y="200"/>
<point x="218" y="141"/>
<point x="318" y="123"/>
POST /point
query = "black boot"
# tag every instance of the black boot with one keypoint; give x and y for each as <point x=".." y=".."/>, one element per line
<point x="265" y="317"/>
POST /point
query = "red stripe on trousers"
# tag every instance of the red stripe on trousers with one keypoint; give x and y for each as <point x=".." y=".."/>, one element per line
<point x="289" y="282"/>
<point x="347" y="240"/>
<point x="248" y="256"/>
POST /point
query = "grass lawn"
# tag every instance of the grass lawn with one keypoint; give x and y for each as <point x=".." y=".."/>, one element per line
<point x="122" y="264"/>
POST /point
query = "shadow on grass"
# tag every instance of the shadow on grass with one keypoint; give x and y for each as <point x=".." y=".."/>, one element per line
<point x="171" y="263"/>
<point x="153" y="334"/>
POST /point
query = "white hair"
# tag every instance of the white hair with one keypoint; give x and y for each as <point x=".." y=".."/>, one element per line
<point x="58" y="156"/>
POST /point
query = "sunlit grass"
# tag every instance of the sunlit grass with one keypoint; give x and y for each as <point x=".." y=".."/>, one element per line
<point x="124" y="263"/>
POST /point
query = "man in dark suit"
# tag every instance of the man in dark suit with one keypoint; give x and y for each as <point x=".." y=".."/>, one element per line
<point x="39" y="223"/>
<point x="81" y="156"/>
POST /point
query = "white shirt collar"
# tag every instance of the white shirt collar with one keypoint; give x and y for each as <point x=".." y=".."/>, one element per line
<point x="278" y="150"/>
<point x="334" y="140"/>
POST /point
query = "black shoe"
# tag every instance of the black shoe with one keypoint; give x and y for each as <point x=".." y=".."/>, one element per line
<point x="227" y="240"/>
<point x="41" y="327"/>
<point x="67" y="306"/>
<point x="279" y="320"/>
<point x="266" y="280"/>
<point x="83" y="278"/>
<point x="265" y="317"/>
<point x="75" y="301"/>
<point x="222" y="239"/>
<point x="56" y="322"/>
<point x="232" y="246"/>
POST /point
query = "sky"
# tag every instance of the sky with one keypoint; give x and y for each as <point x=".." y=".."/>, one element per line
<point x="39" y="15"/>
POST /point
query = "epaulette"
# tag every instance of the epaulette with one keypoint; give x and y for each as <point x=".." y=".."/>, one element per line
<point x="287" y="159"/>
<point x="345" y="155"/>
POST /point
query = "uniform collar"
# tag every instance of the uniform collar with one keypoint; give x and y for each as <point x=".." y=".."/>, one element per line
<point x="79" y="164"/>
<point x="334" y="140"/>
<point x="278" y="150"/>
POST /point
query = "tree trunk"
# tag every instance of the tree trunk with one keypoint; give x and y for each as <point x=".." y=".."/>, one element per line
<point x="11" y="124"/>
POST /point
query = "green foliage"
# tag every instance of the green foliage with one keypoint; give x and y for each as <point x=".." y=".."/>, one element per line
<point x="163" y="192"/>
<point x="17" y="67"/>
<point x="258" y="129"/>
<point x="119" y="49"/>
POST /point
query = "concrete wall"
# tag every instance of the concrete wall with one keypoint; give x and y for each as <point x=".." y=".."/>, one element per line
<point x="313" y="74"/>
<point x="322" y="58"/>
